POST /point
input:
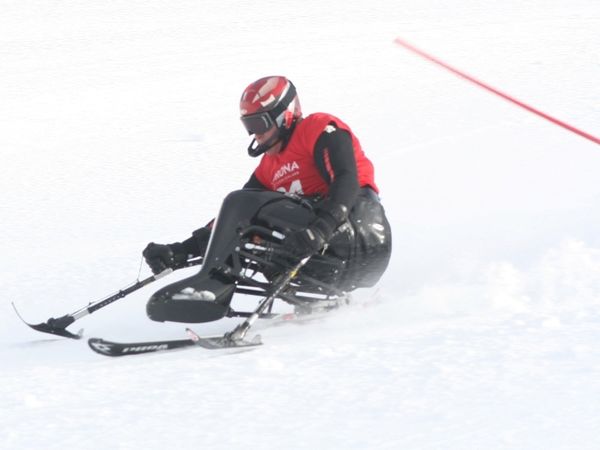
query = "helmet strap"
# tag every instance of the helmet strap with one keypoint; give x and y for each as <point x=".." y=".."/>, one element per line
<point x="255" y="149"/>
<point x="283" y="136"/>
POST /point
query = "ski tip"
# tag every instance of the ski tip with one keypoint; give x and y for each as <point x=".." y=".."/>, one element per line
<point x="100" y="346"/>
<point x="17" y="312"/>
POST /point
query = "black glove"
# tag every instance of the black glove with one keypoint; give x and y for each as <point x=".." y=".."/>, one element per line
<point x="310" y="240"/>
<point x="161" y="257"/>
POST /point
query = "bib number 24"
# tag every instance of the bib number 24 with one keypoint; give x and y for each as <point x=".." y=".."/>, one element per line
<point x="295" y="188"/>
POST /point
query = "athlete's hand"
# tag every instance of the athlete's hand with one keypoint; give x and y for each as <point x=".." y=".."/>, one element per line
<point x="310" y="240"/>
<point x="161" y="257"/>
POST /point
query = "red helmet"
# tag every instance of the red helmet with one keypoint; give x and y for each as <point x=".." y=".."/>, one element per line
<point x="270" y="101"/>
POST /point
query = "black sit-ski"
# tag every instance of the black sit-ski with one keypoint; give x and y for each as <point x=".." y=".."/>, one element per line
<point x="246" y="256"/>
<point x="283" y="288"/>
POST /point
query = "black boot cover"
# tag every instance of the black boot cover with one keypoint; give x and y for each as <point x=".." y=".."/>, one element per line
<point x="192" y="300"/>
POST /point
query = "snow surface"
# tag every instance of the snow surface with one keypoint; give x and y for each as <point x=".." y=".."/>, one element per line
<point x="119" y="126"/>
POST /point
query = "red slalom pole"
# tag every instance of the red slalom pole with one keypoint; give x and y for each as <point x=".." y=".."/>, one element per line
<point x="554" y="120"/>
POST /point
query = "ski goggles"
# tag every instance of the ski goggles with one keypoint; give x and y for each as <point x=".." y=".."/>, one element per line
<point x="257" y="123"/>
<point x="260" y="123"/>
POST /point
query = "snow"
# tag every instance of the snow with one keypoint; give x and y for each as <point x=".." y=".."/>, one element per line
<point x="119" y="126"/>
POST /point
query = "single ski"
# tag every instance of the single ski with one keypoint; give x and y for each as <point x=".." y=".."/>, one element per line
<point x="110" y="348"/>
<point x="226" y="341"/>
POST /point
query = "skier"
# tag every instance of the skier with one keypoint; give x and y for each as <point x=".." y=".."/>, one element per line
<point x="316" y="158"/>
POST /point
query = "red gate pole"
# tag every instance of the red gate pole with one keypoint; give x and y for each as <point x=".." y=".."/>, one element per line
<point x="412" y="48"/>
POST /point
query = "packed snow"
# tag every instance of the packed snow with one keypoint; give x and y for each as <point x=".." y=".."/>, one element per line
<point x="119" y="126"/>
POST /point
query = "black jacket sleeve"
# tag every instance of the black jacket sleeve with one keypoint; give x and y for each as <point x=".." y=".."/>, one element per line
<point x="334" y="157"/>
<point x="198" y="243"/>
<point x="253" y="183"/>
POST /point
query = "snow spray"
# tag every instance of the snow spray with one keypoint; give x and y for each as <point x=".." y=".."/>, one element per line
<point x="462" y="74"/>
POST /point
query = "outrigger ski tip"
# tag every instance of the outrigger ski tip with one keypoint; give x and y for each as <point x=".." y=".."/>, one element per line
<point x="54" y="326"/>
<point x="58" y="326"/>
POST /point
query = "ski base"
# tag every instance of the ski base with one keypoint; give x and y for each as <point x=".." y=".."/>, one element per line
<point x="234" y="339"/>
<point x="109" y="348"/>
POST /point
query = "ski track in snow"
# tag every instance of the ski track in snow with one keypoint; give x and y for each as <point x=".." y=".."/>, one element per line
<point x="119" y="126"/>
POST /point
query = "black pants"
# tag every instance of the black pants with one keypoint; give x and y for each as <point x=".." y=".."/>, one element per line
<point x="364" y="242"/>
<point x="357" y="254"/>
